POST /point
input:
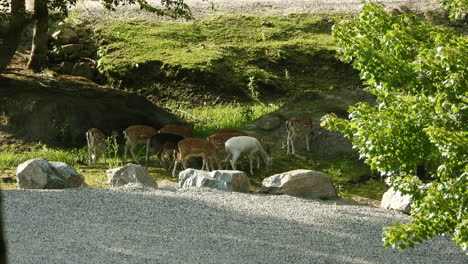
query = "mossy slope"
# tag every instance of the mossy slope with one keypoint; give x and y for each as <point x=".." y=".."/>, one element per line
<point x="276" y="54"/>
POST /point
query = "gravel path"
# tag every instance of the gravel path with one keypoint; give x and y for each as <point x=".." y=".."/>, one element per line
<point x="161" y="226"/>
<point x="203" y="7"/>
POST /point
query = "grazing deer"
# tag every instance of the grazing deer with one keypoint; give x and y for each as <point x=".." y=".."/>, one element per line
<point x="195" y="147"/>
<point x="229" y="130"/>
<point x="178" y="130"/>
<point x="300" y="125"/>
<point x="161" y="143"/>
<point x="135" y="135"/>
<point x="219" y="139"/>
<point x="249" y="145"/>
<point x="97" y="144"/>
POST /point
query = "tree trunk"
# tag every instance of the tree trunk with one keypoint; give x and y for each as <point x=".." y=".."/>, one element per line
<point x="38" y="59"/>
<point x="10" y="40"/>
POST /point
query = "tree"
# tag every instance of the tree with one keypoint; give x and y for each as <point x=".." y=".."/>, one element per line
<point x="419" y="75"/>
<point x="10" y="31"/>
<point x="15" y="21"/>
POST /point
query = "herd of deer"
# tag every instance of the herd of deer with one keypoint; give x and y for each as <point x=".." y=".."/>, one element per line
<point x="178" y="142"/>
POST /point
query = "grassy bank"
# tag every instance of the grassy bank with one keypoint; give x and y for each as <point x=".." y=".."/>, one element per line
<point x="233" y="54"/>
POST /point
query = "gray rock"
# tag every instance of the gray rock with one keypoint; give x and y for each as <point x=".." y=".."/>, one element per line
<point x="130" y="173"/>
<point x="84" y="69"/>
<point x="269" y="123"/>
<point x="84" y="54"/>
<point x="66" y="67"/>
<point x="70" y="50"/>
<point x="226" y="180"/>
<point x="395" y="200"/>
<point x="42" y="174"/>
<point x="65" y="35"/>
<point x="301" y="183"/>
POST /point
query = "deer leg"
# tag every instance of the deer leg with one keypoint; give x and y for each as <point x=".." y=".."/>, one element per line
<point x="307" y="142"/>
<point x="251" y="162"/>
<point x="174" y="170"/>
<point x="235" y="156"/>
<point x="133" y="154"/>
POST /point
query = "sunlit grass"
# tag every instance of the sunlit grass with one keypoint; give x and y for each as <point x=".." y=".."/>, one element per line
<point x="207" y="119"/>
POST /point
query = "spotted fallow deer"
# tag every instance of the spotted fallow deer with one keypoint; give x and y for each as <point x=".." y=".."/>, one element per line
<point x="195" y="147"/>
<point x="97" y="144"/>
<point x="177" y="130"/>
<point x="229" y="130"/>
<point x="296" y="126"/>
<point x="245" y="145"/>
<point x="134" y="135"/>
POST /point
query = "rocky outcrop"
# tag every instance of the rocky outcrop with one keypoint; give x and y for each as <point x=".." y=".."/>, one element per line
<point x="59" y="110"/>
<point x="130" y="174"/>
<point x="395" y="200"/>
<point x="73" y="46"/>
<point x="42" y="174"/>
<point x="300" y="183"/>
<point x="225" y="180"/>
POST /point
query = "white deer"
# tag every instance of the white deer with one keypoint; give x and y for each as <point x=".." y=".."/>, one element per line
<point x="300" y="125"/>
<point x="97" y="144"/>
<point x="134" y="135"/>
<point x="249" y="145"/>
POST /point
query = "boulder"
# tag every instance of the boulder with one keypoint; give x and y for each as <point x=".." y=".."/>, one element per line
<point x="71" y="50"/>
<point x="395" y="200"/>
<point x="65" y="35"/>
<point x="301" y="183"/>
<point x="42" y="174"/>
<point x="66" y="67"/>
<point x="130" y="174"/>
<point x="83" y="69"/>
<point x="225" y="180"/>
<point x="269" y="123"/>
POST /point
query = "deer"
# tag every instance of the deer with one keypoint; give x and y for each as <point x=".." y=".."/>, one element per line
<point x="97" y="144"/>
<point x="195" y="147"/>
<point x="135" y="135"/>
<point x="249" y="145"/>
<point x="162" y="143"/>
<point x="229" y="130"/>
<point x="178" y="130"/>
<point x="296" y="126"/>
<point x="219" y="139"/>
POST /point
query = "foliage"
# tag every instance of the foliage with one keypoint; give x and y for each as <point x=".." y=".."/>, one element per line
<point x="458" y="8"/>
<point x="419" y="73"/>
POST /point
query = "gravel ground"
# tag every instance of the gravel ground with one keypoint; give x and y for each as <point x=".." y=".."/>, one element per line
<point x="203" y="7"/>
<point x="201" y="226"/>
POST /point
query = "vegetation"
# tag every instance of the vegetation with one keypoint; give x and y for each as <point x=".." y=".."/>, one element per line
<point x="419" y="74"/>
<point x="278" y="55"/>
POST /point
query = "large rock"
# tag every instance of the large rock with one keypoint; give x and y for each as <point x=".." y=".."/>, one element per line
<point x="269" y="123"/>
<point x="42" y="174"/>
<point x="301" y="183"/>
<point x="130" y="174"/>
<point x="84" y="69"/>
<point x="226" y="180"/>
<point x="65" y="35"/>
<point x="395" y="200"/>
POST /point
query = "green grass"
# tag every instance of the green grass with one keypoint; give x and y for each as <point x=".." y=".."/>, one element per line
<point x="209" y="118"/>
<point x="283" y="53"/>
